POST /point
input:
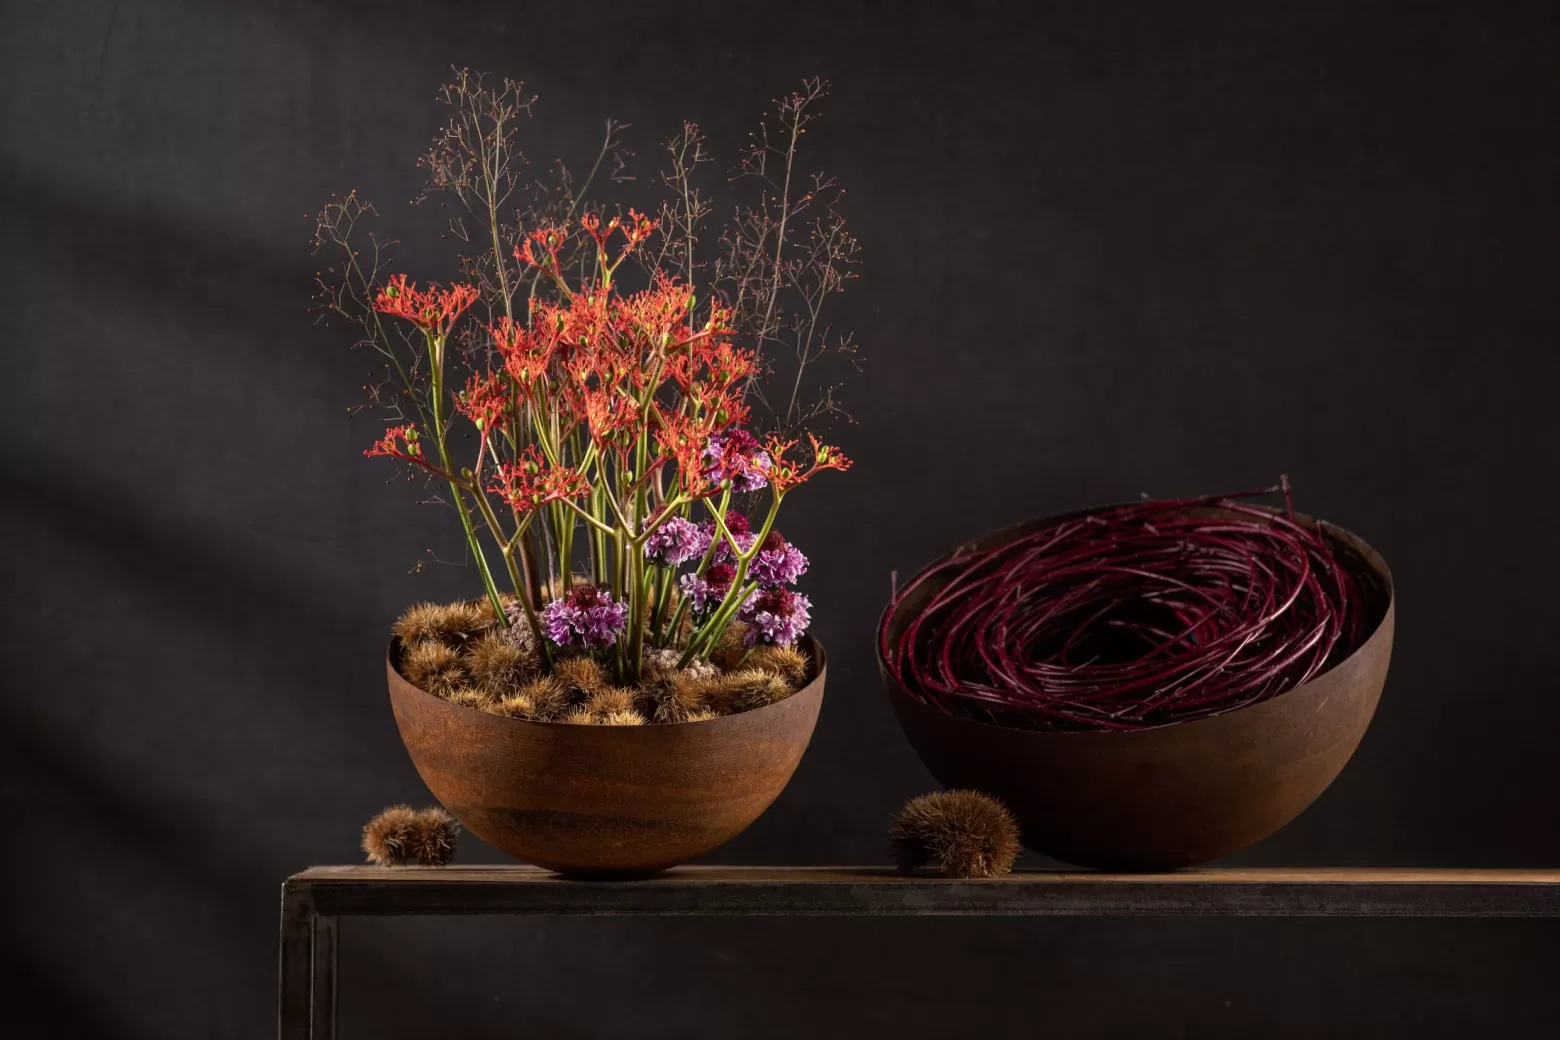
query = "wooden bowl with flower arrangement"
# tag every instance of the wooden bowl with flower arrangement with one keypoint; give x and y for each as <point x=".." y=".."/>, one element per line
<point x="573" y="773"/>
<point x="645" y="687"/>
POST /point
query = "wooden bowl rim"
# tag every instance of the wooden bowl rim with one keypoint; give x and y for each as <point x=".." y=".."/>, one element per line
<point x="813" y="687"/>
<point x="1385" y="626"/>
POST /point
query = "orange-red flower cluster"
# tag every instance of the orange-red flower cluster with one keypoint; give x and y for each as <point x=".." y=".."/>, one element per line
<point x="434" y="310"/>
<point x="636" y="229"/>
<point x="786" y="473"/>
<point x="399" y="442"/>
<point x="485" y="400"/>
<point x="604" y="360"/>
<point x="683" y="440"/>
<point x="531" y="482"/>
<point x="544" y="240"/>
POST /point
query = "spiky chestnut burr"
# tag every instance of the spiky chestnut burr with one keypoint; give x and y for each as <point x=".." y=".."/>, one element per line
<point x="962" y="834"/>
<point x="434" y="834"/>
<point x="388" y="837"/>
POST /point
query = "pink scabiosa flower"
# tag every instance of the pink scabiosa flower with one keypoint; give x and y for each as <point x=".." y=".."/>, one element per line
<point x="676" y="542"/>
<point x="777" y="563"/>
<point x="777" y="616"/>
<point x="736" y="455"/>
<point x="707" y="590"/>
<point x="584" y="616"/>
<point x="741" y="530"/>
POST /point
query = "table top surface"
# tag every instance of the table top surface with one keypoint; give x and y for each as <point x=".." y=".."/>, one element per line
<point x="1340" y="891"/>
<point x="702" y="875"/>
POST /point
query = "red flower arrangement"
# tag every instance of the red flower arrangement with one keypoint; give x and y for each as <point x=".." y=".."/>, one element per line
<point x="605" y="392"/>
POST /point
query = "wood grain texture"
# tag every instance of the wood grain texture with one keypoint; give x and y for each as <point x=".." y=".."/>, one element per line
<point x="865" y="890"/>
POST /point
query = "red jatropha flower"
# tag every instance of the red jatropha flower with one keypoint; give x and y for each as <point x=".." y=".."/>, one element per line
<point x="684" y="440"/>
<point x="390" y="444"/>
<point x="531" y="482"/>
<point x="610" y="413"/>
<point x="484" y="401"/>
<point x="785" y="473"/>
<point x="636" y="229"/>
<point x="434" y="310"/>
<point x="546" y="239"/>
<point x="710" y="352"/>
<point x="728" y="365"/>
<point x="526" y="353"/>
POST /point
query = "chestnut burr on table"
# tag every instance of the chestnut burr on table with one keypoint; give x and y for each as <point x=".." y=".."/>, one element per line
<point x="313" y="901"/>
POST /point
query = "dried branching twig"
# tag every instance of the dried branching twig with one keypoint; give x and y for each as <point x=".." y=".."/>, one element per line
<point x="682" y="216"/>
<point x="781" y="258"/>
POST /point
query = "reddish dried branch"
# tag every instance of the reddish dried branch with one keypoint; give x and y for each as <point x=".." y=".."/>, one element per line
<point x="1131" y="617"/>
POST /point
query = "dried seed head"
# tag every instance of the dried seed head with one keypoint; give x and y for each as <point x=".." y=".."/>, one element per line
<point x="580" y="676"/>
<point x="630" y="717"/>
<point x="613" y="698"/>
<point x="485" y="608"/>
<point x="785" y="661"/>
<point x="434" y="833"/>
<point x="750" y="688"/>
<point x="579" y="717"/>
<point x="701" y="715"/>
<point x="432" y="666"/>
<point x="548" y="696"/>
<point x="956" y="833"/>
<point x="451" y="623"/>
<point x="730" y="648"/>
<point x="473" y="697"/>
<point x="388" y="837"/>
<point x="515" y="706"/>
<point x="678" y="697"/>
<point x="494" y="661"/>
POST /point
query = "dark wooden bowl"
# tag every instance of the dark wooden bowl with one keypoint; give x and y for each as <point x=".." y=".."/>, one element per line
<point x="1177" y="795"/>
<point x="605" y="800"/>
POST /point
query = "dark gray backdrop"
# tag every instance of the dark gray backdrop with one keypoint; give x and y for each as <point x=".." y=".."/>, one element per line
<point x="1165" y="248"/>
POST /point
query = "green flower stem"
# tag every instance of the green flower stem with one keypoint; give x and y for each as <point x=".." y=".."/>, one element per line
<point x="704" y="565"/>
<point x="710" y="635"/>
<point x="703" y="641"/>
<point x="709" y="553"/>
<point x="563" y="526"/>
<point x="598" y="542"/>
<point x="618" y="578"/>
<point x="591" y="520"/>
<point x="516" y="577"/>
<point x="598" y="511"/>
<point x="676" y="622"/>
<point x="636" y="614"/>
<point x="436" y="369"/>
<point x="664" y="597"/>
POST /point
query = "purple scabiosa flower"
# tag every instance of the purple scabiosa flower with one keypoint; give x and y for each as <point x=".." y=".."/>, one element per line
<point x="775" y="616"/>
<point x="735" y="455"/>
<point x="676" y="541"/>
<point x="737" y="523"/>
<point x="586" y="615"/>
<point x="777" y="563"/>
<point x="560" y="620"/>
<point x="708" y="590"/>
